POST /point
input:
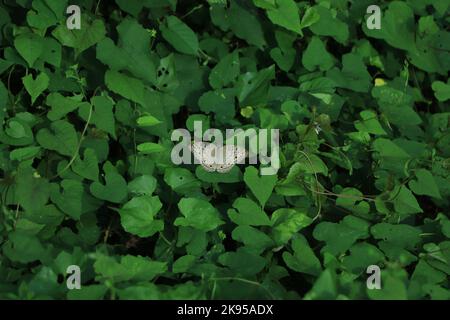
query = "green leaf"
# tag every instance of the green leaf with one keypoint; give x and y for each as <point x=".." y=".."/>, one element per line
<point x="423" y="275"/>
<point x="221" y="102"/>
<point x="90" y="33"/>
<point x="23" y="248"/>
<point x="245" y="24"/>
<point x="180" y="36"/>
<point x="243" y="262"/>
<point x="127" y="87"/>
<point x="261" y="186"/>
<point x="327" y="24"/>
<point x="396" y="105"/>
<point x="248" y="213"/>
<point x="446" y="228"/>
<point x="425" y="184"/>
<point x="303" y="260"/>
<point x="252" y="238"/>
<point x="114" y="189"/>
<point x="16" y="130"/>
<point x="147" y="121"/>
<point x="183" y="264"/>
<point x="317" y="56"/>
<point x="265" y="4"/>
<point x="352" y="199"/>
<point x="226" y="71"/>
<point x="405" y="202"/>
<point x="61" y="105"/>
<point x="284" y="59"/>
<point x="198" y="214"/>
<point x="24" y="153"/>
<point x="361" y="256"/>
<point x="392" y="156"/>
<point x="401" y="235"/>
<point x="143" y="185"/>
<point x="310" y="17"/>
<point x="129" y="268"/>
<point x="61" y="137"/>
<point x="150" y="147"/>
<point x="32" y="191"/>
<point x="311" y="164"/>
<point x="30" y="46"/>
<point x="131" y="52"/>
<point x="253" y="87"/>
<point x="286" y="223"/>
<point x="45" y="13"/>
<point x="181" y="180"/>
<point x="324" y="288"/>
<point x="397" y="26"/>
<point x="91" y="292"/>
<point x="353" y="76"/>
<point x="341" y="236"/>
<point x="392" y="288"/>
<point x="131" y="6"/>
<point x="102" y="114"/>
<point x="285" y="14"/>
<point x="369" y="123"/>
<point x="73" y="200"/>
<point x="138" y="216"/>
<point x="441" y="90"/>
<point x="88" y="166"/>
<point x="35" y="86"/>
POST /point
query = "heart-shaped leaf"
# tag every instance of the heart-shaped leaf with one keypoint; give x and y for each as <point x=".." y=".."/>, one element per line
<point x="248" y="213"/>
<point x="88" y="166"/>
<point x="36" y="86"/>
<point x="29" y="46"/>
<point x="114" y="189"/>
<point x="261" y="186"/>
<point x="137" y="216"/>
<point x="425" y="184"/>
<point x="61" y="137"/>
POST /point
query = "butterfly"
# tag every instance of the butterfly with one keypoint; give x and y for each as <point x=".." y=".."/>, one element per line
<point x="217" y="158"/>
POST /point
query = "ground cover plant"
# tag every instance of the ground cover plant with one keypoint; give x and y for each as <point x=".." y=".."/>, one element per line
<point x="87" y="179"/>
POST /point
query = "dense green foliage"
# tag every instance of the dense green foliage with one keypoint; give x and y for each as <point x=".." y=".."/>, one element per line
<point x="86" y="118"/>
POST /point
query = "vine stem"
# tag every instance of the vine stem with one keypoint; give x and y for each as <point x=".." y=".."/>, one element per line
<point x="330" y="193"/>
<point x="75" y="155"/>
<point x="97" y="6"/>
<point x="192" y="10"/>
<point x="13" y="103"/>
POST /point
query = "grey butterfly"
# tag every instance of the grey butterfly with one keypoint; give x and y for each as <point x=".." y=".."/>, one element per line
<point x="217" y="158"/>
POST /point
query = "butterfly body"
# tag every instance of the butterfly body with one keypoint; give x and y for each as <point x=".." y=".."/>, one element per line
<point x="217" y="158"/>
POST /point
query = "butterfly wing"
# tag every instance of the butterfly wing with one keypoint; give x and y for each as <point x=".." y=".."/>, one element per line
<point x="210" y="167"/>
<point x="207" y="154"/>
<point x="204" y="152"/>
<point x="197" y="149"/>
<point x="224" y="168"/>
<point x="229" y="153"/>
<point x="239" y="155"/>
